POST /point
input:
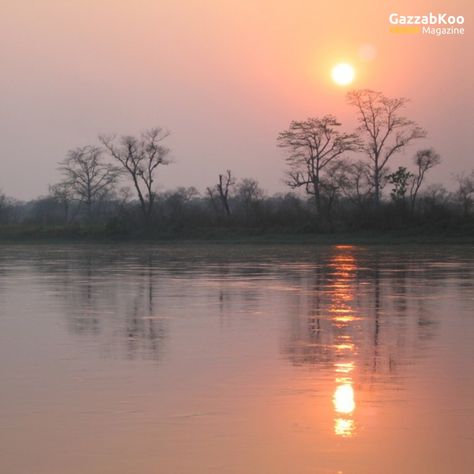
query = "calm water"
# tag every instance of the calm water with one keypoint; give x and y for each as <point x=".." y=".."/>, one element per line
<point x="224" y="359"/>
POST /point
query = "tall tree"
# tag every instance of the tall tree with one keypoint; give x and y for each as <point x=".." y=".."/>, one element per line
<point x="3" y="208"/>
<point x="385" y="130"/>
<point x="465" y="192"/>
<point x="250" y="195"/>
<point x="140" y="158"/>
<point x="222" y="189"/>
<point x="357" y="186"/>
<point x="332" y="185"/>
<point x="312" y="144"/>
<point x="424" y="161"/>
<point x="63" y="195"/>
<point x="87" y="176"/>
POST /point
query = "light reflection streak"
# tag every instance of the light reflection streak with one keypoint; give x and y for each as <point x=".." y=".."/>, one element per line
<point x="344" y="427"/>
<point x="344" y="399"/>
<point x="344" y="367"/>
<point x="341" y="313"/>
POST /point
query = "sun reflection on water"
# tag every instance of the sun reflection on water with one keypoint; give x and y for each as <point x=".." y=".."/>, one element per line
<point x="344" y="427"/>
<point x="344" y="406"/>
<point x="342" y="315"/>
<point x="344" y="399"/>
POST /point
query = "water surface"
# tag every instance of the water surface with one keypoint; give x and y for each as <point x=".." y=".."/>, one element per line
<point x="236" y="359"/>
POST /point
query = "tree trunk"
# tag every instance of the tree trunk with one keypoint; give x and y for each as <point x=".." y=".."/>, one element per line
<point x="226" y="205"/>
<point x="317" y="194"/>
<point x="377" y="186"/>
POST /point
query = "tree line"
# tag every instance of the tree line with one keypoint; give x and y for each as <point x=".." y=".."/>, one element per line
<point x="336" y="182"/>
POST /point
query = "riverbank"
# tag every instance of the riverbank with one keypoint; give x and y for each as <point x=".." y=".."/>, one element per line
<point x="98" y="234"/>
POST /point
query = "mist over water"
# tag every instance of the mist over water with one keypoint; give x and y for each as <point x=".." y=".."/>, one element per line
<point x="236" y="359"/>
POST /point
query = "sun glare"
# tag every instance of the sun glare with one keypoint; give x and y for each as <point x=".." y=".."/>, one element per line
<point x="344" y="399"/>
<point x="343" y="74"/>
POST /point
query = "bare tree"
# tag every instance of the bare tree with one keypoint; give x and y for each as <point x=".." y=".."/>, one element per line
<point x="87" y="177"/>
<point x="3" y="207"/>
<point x="222" y="189"/>
<point x="183" y="194"/>
<point x="176" y="202"/>
<point x="424" y="161"/>
<point x="250" y="195"/>
<point x="249" y="191"/>
<point x="358" y="186"/>
<point x="465" y="192"/>
<point x="435" y="196"/>
<point x="333" y="183"/>
<point x="140" y="158"/>
<point x="313" y="144"/>
<point x="63" y="195"/>
<point x="385" y="130"/>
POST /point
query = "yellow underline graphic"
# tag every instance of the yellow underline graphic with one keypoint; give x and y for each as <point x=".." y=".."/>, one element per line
<point x="405" y="29"/>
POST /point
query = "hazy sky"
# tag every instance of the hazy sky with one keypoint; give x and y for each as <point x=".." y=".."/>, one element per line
<point x="225" y="76"/>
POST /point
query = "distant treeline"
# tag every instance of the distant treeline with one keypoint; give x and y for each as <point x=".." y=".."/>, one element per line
<point x="109" y="189"/>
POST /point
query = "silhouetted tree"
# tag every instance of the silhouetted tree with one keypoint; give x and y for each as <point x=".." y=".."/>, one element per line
<point x="435" y="195"/>
<point x="3" y="207"/>
<point x="250" y="195"/>
<point x="358" y="186"/>
<point x="401" y="180"/>
<point x="221" y="191"/>
<point x="312" y="144"/>
<point x="385" y="130"/>
<point x="63" y="195"/>
<point x="335" y="180"/>
<point x="177" y="202"/>
<point x="10" y="209"/>
<point x="87" y="177"/>
<point x="465" y="192"/>
<point x="140" y="158"/>
<point x="424" y="161"/>
<point x="249" y="191"/>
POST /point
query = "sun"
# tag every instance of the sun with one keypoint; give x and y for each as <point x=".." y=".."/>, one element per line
<point x="343" y="74"/>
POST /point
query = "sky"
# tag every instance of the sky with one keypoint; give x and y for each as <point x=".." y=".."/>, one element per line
<point x="224" y="76"/>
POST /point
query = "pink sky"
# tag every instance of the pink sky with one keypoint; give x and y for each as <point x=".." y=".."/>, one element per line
<point x="224" y="76"/>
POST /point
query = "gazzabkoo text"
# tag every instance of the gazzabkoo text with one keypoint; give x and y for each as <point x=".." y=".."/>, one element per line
<point x="440" y="24"/>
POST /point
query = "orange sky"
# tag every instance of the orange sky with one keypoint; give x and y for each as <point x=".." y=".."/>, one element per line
<point x="225" y="76"/>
